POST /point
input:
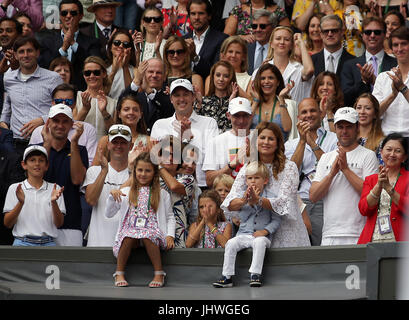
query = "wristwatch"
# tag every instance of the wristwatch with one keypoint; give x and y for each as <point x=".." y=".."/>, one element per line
<point x="230" y="167"/>
<point x="403" y="90"/>
<point x="315" y="148"/>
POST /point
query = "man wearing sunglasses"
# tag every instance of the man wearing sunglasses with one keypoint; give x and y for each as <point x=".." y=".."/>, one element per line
<point x="66" y="94"/>
<point x="69" y="42"/>
<point x="333" y="56"/>
<point x="204" y="40"/>
<point x="263" y="25"/>
<point x="103" y="26"/>
<point x="359" y="74"/>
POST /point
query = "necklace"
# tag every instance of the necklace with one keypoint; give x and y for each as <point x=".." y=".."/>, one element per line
<point x="266" y="112"/>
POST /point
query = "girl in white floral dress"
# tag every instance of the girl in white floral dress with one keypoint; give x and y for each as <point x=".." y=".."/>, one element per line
<point x="146" y="216"/>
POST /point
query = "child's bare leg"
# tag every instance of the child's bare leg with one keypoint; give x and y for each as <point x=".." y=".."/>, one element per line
<point x="123" y="255"/>
<point x="155" y="257"/>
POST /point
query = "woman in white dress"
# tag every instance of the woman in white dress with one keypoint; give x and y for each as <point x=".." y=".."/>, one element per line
<point x="281" y="188"/>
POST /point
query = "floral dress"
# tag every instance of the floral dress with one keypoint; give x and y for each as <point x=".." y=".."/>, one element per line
<point x="244" y="18"/>
<point x="181" y="206"/>
<point x="140" y="223"/>
<point x="216" y="108"/>
<point x="183" y="24"/>
<point x="209" y="240"/>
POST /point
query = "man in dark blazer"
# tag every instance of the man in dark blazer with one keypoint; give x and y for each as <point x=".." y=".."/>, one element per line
<point x="205" y="40"/>
<point x="359" y="74"/>
<point x="263" y="25"/>
<point x="148" y="86"/>
<point x="103" y="26"/>
<point x="69" y="42"/>
<point x="332" y="31"/>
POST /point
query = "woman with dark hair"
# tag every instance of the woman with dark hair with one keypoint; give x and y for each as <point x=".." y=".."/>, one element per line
<point x="128" y="112"/>
<point x="268" y="102"/>
<point x="177" y="58"/>
<point x="63" y="67"/>
<point x="313" y="38"/>
<point x="25" y="22"/>
<point x="216" y="103"/>
<point x="393" y="20"/>
<point x="370" y="130"/>
<point x="122" y="61"/>
<point x="385" y="195"/>
<point x="326" y="90"/>
<point x="281" y="187"/>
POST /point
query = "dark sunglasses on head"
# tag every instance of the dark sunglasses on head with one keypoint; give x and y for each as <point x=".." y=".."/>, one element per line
<point x="261" y="25"/>
<point x="369" y="32"/>
<point x="87" y="73"/>
<point x="332" y="31"/>
<point x="68" y="102"/>
<point x="125" y="44"/>
<point x="64" y="13"/>
<point x="172" y="52"/>
<point x="119" y="131"/>
<point x="149" y="19"/>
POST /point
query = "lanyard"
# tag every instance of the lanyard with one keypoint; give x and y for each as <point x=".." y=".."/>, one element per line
<point x="397" y="178"/>
<point x="96" y="31"/>
<point x="204" y="236"/>
<point x="272" y="113"/>
<point x="322" y="139"/>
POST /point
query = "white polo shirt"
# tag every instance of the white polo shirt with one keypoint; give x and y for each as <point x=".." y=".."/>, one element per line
<point x="36" y="216"/>
<point x="203" y="129"/>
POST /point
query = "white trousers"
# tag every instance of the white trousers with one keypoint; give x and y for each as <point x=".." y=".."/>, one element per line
<point x="241" y="242"/>
<point x="338" y="241"/>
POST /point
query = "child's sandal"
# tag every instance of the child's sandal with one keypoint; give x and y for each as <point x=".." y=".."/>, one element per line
<point x="158" y="284"/>
<point x="120" y="283"/>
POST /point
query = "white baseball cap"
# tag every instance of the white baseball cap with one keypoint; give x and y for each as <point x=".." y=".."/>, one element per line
<point x="181" y="83"/>
<point x="119" y="130"/>
<point x="346" y="114"/>
<point x="239" y="105"/>
<point x="33" y="148"/>
<point x="60" y="109"/>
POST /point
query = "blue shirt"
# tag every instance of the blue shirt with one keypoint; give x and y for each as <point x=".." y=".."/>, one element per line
<point x="327" y="141"/>
<point x="59" y="171"/>
<point x="27" y="100"/>
<point x="254" y="218"/>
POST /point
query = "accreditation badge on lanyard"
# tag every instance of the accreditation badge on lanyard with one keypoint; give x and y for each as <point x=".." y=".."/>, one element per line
<point x="384" y="224"/>
<point x="141" y="219"/>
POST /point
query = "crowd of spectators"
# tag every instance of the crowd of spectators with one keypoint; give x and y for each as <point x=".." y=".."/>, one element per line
<point x="206" y="124"/>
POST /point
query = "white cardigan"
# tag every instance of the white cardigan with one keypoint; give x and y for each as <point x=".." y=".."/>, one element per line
<point x="165" y="216"/>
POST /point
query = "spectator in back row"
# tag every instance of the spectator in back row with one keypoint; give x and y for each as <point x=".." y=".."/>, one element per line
<point x="29" y="90"/>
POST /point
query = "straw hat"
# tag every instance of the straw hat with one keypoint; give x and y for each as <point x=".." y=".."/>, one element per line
<point x="100" y="3"/>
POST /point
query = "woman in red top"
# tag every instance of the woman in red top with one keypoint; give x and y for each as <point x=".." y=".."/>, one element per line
<point x="385" y="196"/>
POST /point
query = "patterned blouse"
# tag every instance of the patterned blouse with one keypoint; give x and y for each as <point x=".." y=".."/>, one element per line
<point x="216" y="108"/>
<point x="244" y="18"/>
<point x="183" y="24"/>
<point x="208" y="240"/>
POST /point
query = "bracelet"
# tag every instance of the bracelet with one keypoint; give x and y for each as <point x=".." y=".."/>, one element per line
<point x="214" y="228"/>
<point x="330" y="120"/>
<point x="374" y="195"/>
<point x="315" y="148"/>
<point x="403" y="90"/>
<point x="107" y="117"/>
<point x="283" y="106"/>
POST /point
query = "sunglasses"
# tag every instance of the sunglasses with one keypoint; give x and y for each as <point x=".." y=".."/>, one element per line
<point x="68" y="102"/>
<point x="125" y="44"/>
<point x="97" y="73"/>
<point x="123" y="132"/>
<point x="369" y="32"/>
<point x="155" y="19"/>
<point x="173" y="52"/>
<point x="64" y="13"/>
<point x="332" y="31"/>
<point x="261" y="25"/>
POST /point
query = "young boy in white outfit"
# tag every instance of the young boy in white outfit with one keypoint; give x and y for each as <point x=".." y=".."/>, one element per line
<point x="34" y="207"/>
<point x="257" y="225"/>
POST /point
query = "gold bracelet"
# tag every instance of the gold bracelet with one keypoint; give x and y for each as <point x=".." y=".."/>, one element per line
<point x="213" y="229"/>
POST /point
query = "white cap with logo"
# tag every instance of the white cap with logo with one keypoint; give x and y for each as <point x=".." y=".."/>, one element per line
<point x="120" y="130"/>
<point x="33" y="148"/>
<point x="181" y="83"/>
<point x="60" y="109"/>
<point x="346" y="114"/>
<point x="239" y="105"/>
